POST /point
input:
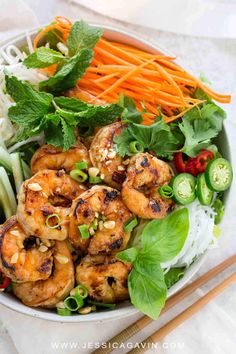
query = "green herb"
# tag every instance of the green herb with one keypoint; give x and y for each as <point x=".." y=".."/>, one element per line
<point x="84" y="231"/>
<point x="43" y="57"/>
<point x="161" y="241"/>
<point x="78" y="176"/>
<point x="199" y="126"/>
<point x="173" y="276"/>
<point x="219" y="209"/>
<point x="130" y="112"/>
<point x="67" y="75"/>
<point x="19" y="91"/>
<point x="157" y="137"/>
<point x="57" y="117"/>
<point x="101" y="304"/>
<point x="83" y="36"/>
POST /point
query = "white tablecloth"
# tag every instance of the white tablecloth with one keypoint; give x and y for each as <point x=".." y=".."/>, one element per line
<point x="212" y="330"/>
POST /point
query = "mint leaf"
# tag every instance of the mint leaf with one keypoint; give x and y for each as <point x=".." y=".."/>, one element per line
<point x="28" y="112"/>
<point x="72" y="104"/>
<point x="128" y="255"/>
<point x="147" y="288"/>
<point x="20" y="90"/>
<point x="42" y="58"/>
<point x="88" y="115"/>
<point x="199" y="126"/>
<point x="68" y="135"/>
<point x="173" y="276"/>
<point x="165" y="238"/>
<point x="82" y="36"/>
<point x="67" y="76"/>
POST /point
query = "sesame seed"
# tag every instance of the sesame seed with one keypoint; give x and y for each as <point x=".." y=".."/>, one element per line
<point x="111" y="154"/>
<point x="109" y="224"/>
<point x="85" y="310"/>
<point x="14" y="258"/>
<point x="102" y="176"/>
<point x="121" y="168"/>
<point x="91" y="231"/>
<point x="100" y="225"/>
<point x="43" y="248"/>
<point x="93" y="171"/>
<point x="34" y="187"/>
<point x="62" y="259"/>
<point x="15" y="233"/>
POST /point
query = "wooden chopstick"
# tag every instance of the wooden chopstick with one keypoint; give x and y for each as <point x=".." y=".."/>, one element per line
<point x="134" y="328"/>
<point x="183" y="316"/>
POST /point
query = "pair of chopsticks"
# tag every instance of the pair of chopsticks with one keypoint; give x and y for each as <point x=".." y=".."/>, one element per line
<point x="175" y="299"/>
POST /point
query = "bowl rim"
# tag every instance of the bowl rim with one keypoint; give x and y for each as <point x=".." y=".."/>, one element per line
<point x="125" y="309"/>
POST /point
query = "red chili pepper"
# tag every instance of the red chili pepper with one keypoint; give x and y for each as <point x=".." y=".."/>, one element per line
<point x="4" y="281"/>
<point x="202" y="160"/>
<point x="191" y="167"/>
<point x="179" y="162"/>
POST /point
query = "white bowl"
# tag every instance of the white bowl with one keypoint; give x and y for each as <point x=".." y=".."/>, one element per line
<point x="125" y="309"/>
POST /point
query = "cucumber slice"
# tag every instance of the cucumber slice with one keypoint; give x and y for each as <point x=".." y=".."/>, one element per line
<point x="17" y="169"/>
<point x="8" y="188"/>
<point x="5" y="160"/>
<point x="5" y="201"/>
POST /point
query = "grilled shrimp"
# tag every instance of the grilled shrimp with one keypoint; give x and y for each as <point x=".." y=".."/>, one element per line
<point x="139" y="191"/>
<point x="102" y="211"/>
<point x="105" y="279"/>
<point x="44" y="203"/>
<point x="47" y="293"/>
<point x="104" y="156"/>
<point x="53" y="158"/>
<point x="20" y="257"/>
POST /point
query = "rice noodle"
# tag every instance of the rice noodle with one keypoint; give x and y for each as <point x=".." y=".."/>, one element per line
<point x="200" y="236"/>
<point x="11" y="61"/>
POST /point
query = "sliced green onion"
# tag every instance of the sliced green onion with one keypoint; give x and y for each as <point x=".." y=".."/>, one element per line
<point x="130" y="225"/>
<point x="73" y="303"/>
<point x="78" y="175"/>
<point x="63" y="312"/>
<point x="79" y="291"/>
<point x="100" y="304"/>
<point x="84" y="231"/>
<point x="166" y="191"/>
<point x="95" y="180"/>
<point x="136" y="147"/>
<point x="53" y="226"/>
<point x="81" y="165"/>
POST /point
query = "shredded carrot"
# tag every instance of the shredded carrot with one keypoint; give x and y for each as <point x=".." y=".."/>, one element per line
<point x="148" y="77"/>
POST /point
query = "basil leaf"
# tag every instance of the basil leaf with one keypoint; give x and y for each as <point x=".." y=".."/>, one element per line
<point x="165" y="238"/>
<point x="82" y="36"/>
<point x="147" y="288"/>
<point x="42" y="58"/>
<point x="67" y="76"/>
<point x="173" y="276"/>
<point x="128" y="255"/>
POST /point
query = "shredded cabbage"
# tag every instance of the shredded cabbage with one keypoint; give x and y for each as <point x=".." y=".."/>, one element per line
<point x="11" y="60"/>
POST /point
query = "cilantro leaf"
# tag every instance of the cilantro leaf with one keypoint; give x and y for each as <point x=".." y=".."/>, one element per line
<point x="199" y="126"/>
<point x="67" y="76"/>
<point x="130" y="112"/>
<point x="157" y="137"/>
<point x="83" y="36"/>
<point x="42" y="58"/>
<point x="20" y="90"/>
